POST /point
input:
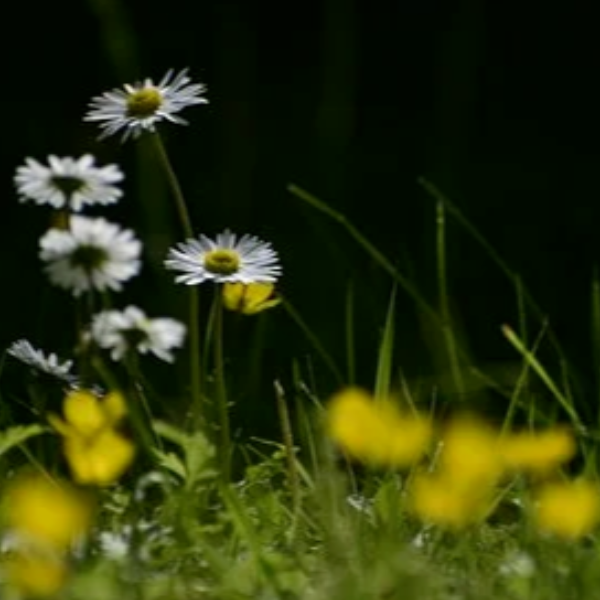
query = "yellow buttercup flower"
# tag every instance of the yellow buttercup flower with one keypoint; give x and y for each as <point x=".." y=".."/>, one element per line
<point x="538" y="452"/>
<point x="100" y="460"/>
<point x="97" y="453"/>
<point x="85" y="414"/>
<point x="469" y="453"/>
<point x="249" y="299"/>
<point x="376" y="432"/>
<point x="46" y="511"/>
<point x="438" y="499"/>
<point x="568" y="510"/>
<point x="35" y="575"/>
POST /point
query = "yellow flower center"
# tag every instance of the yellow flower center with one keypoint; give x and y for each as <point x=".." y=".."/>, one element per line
<point x="144" y="103"/>
<point x="222" y="262"/>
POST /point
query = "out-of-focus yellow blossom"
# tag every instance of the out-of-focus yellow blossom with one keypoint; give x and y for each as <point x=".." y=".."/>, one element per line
<point x="376" y="432"/>
<point x="46" y="511"/>
<point x="469" y="453"/>
<point x="85" y="414"/>
<point x="35" y="575"/>
<point x="100" y="460"/>
<point x="250" y="298"/>
<point x="537" y="452"/>
<point x="448" y="503"/>
<point x="97" y="453"/>
<point x="568" y="510"/>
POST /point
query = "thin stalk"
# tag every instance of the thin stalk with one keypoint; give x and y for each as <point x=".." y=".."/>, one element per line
<point x="541" y="372"/>
<point x="194" y="306"/>
<point x="180" y="203"/>
<point x="313" y="338"/>
<point x="447" y="329"/>
<point x="288" y="442"/>
<point x="221" y="391"/>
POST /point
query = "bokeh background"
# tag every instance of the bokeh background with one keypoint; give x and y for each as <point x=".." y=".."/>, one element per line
<point x="496" y="103"/>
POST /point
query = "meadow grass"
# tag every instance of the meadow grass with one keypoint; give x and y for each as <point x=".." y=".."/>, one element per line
<point x="387" y="493"/>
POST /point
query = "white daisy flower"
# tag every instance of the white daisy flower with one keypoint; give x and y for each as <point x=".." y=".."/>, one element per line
<point x="92" y="254"/>
<point x="68" y="182"/>
<point x="22" y="350"/>
<point x="140" y="106"/>
<point x="122" y="331"/>
<point x="226" y="260"/>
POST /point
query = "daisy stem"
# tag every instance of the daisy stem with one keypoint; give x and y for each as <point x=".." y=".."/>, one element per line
<point x="194" y="309"/>
<point x="180" y="203"/>
<point x="221" y="390"/>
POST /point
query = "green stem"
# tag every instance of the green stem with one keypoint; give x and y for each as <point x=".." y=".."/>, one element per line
<point x="447" y="328"/>
<point x="221" y="390"/>
<point x="194" y="308"/>
<point x="180" y="203"/>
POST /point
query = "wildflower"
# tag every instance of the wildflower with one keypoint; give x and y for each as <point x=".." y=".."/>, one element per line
<point x="538" y="452"/>
<point x="139" y="107"/>
<point x="36" y="359"/>
<point x="97" y="453"/>
<point x="226" y="260"/>
<point x="376" y="432"/>
<point x="249" y="299"/>
<point x="448" y="503"/>
<point x="46" y="512"/>
<point x="92" y="254"/>
<point x="469" y="454"/>
<point x="130" y="329"/>
<point x="68" y="182"/>
<point x="35" y="574"/>
<point x="568" y="510"/>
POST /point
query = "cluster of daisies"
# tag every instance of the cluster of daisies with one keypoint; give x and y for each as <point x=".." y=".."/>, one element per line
<point x="91" y="255"/>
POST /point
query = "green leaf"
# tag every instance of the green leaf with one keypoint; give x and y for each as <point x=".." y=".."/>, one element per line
<point x="15" y="436"/>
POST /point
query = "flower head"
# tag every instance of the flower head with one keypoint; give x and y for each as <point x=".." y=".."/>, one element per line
<point x="46" y="512"/>
<point x="448" y="503"/>
<point x="68" y="182"/>
<point x="568" y="510"/>
<point x="92" y="254"/>
<point x="375" y="431"/>
<point x="224" y="260"/>
<point x="130" y="329"/>
<point x="469" y="452"/>
<point x="97" y="453"/>
<point x="139" y="107"/>
<point x="35" y="574"/>
<point x="37" y="360"/>
<point x="250" y="298"/>
<point x="538" y="452"/>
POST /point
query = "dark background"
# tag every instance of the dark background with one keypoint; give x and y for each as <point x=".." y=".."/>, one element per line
<point x="496" y="103"/>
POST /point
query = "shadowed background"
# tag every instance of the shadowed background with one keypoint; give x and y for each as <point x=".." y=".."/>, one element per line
<point x="496" y="104"/>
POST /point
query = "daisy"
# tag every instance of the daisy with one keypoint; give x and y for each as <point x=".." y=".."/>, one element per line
<point x="36" y="359"/>
<point x="140" y="106"/>
<point x="68" y="182"/>
<point x="226" y="260"/>
<point x="92" y="254"/>
<point x="122" y="331"/>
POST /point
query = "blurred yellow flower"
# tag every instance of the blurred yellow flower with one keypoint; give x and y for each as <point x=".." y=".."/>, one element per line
<point x="249" y="299"/>
<point x="568" y="510"/>
<point x="97" y="453"/>
<point x="469" y="453"/>
<point x="46" y="511"/>
<point x="376" y="432"/>
<point x="438" y="499"/>
<point x="35" y="575"/>
<point x="538" y="452"/>
<point x="85" y="414"/>
<point x="100" y="460"/>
